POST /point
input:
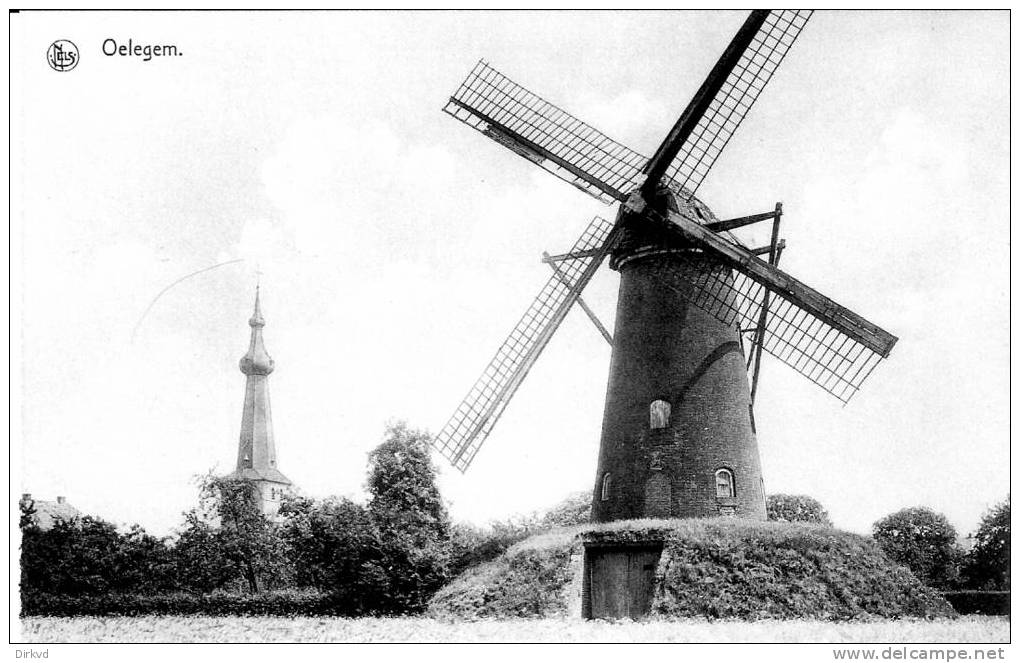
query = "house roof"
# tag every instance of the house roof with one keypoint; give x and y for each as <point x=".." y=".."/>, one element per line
<point x="260" y="474"/>
<point x="47" y="513"/>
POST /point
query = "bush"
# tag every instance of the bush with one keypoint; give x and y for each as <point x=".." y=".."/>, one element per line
<point x="987" y="564"/>
<point x="327" y="543"/>
<point x="89" y="556"/>
<point x="473" y="546"/>
<point x="923" y="541"/>
<point x="796" y="509"/>
<point x="271" y="603"/>
<point x="575" y="509"/>
<point x="979" y="602"/>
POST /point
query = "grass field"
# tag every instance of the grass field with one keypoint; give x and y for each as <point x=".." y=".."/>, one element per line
<point x="309" y="629"/>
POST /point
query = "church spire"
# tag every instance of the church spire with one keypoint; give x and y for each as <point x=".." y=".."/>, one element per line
<point x="257" y="361"/>
<point x="256" y="453"/>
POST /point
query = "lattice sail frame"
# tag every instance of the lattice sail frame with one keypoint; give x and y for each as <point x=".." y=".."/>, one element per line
<point x="545" y="134"/>
<point x="823" y="354"/>
<point x="738" y="93"/>
<point x="466" y="430"/>
<point x="513" y="116"/>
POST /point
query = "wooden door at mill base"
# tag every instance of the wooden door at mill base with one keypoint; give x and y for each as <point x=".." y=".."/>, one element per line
<point x="621" y="581"/>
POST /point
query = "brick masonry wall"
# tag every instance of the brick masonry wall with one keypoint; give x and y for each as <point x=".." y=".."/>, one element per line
<point x="665" y="349"/>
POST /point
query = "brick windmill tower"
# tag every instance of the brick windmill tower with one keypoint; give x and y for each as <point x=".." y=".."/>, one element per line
<point x="696" y="306"/>
<point x="256" y="451"/>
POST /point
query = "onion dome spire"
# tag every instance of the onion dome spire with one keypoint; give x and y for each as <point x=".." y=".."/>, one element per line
<point x="256" y="451"/>
<point x="256" y="361"/>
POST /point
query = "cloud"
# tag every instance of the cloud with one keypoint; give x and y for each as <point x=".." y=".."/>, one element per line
<point x="339" y="187"/>
<point x="916" y="152"/>
<point x="261" y="239"/>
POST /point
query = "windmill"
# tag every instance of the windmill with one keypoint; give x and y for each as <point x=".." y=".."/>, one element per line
<point x="678" y="435"/>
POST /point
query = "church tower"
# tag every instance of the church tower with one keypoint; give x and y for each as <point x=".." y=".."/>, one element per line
<point x="256" y="451"/>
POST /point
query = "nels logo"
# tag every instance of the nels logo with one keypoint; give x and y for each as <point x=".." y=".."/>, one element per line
<point x="62" y="55"/>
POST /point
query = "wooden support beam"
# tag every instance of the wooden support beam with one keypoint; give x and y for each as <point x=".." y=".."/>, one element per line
<point x="739" y="222"/>
<point x="774" y="242"/>
<point x="550" y="260"/>
<point x="759" y="337"/>
<point x="567" y="256"/>
<point x="768" y="248"/>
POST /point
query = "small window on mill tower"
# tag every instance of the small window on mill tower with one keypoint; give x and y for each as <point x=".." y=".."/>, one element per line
<point x="659" y="414"/>
<point x="723" y="483"/>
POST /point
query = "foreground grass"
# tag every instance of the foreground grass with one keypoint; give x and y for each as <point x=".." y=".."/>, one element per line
<point x="312" y="629"/>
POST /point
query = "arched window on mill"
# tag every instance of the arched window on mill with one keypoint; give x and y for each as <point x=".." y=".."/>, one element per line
<point x="607" y="485"/>
<point x="723" y="483"/>
<point x="659" y="414"/>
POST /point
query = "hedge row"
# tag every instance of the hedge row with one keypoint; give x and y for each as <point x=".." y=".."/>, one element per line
<point x="282" y="603"/>
<point x="979" y="603"/>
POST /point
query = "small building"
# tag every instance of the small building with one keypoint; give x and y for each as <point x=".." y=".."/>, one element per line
<point x="47" y="513"/>
<point x="256" y="452"/>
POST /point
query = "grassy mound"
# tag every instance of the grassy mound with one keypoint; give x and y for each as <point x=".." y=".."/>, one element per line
<point x="719" y="568"/>
<point x="531" y="579"/>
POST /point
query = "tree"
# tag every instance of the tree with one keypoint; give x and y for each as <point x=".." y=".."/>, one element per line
<point x="229" y="531"/>
<point x="796" y="509"/>
<point x="328" y="543"/>
<point x="987" y="564"/>
<point x="201" y="565"/>
<point x="923" y="541"/>
<point x="412" y="548"/>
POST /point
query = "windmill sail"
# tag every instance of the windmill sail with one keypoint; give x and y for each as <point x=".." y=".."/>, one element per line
<point x="829" y="344"/>
<point x="545" y="134"/>
<point x="705" y="128"/>
<point x="464" y="433"/>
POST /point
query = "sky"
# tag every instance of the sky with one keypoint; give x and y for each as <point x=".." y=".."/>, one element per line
<point x="396" y="247"/>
